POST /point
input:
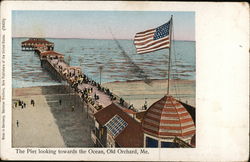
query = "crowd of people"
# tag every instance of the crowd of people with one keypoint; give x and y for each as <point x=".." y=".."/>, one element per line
<point x="76" y="78"/>
<point x="22" y="104"/>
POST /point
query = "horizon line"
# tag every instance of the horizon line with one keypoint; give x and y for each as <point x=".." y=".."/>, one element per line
<point x="91" y="38"/>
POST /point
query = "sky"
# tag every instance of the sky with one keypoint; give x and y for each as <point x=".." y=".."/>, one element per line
<point x="99" y="24"/>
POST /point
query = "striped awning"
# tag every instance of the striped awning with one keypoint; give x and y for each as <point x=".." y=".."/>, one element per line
<point x="167" y="117"/>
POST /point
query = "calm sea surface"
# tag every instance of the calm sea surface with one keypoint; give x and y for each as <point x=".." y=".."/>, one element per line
<point x="93" y="54"/>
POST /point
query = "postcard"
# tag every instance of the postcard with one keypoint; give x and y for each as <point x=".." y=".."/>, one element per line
<point x="124" y="81"/>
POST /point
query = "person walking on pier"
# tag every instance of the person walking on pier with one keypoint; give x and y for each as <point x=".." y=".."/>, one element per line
<point x="121" y="101"/>
<point x="60" y="102"/>
<point x="17" y="123"/>
<point x="145" y="106"/>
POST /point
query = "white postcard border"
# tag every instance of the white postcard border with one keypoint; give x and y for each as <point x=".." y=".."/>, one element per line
<point x="222" y="80"/>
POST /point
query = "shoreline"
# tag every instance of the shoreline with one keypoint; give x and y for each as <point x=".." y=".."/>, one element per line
<point x="135" y="92"/>
<point x="126" y="81"/>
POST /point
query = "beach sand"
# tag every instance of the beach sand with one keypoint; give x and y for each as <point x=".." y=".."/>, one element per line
<point x="48" y="124"/>
<point x="136" y="92"/>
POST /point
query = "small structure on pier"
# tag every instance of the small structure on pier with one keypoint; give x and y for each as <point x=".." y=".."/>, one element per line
<point x="32" y="43"/>
<point x="51" y="55"/>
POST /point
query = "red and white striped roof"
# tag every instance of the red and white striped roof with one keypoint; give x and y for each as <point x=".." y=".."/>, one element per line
<point x="167" y="117"/>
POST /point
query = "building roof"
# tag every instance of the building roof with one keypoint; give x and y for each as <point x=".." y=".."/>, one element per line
<point x="168" y="117"/>
<point x="52" y="53"/>
<point x="129" y="111"/>
<point x="131" y="135"/>
<point x="37" y="40"/>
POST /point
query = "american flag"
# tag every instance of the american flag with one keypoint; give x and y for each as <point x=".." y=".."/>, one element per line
<point x="153" y="39"/>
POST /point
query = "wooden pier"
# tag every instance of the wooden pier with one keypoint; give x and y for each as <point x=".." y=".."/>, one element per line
<point x="94" y="96"/>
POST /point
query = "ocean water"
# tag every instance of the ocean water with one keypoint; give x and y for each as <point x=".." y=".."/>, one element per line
<point x="118" y="62"/>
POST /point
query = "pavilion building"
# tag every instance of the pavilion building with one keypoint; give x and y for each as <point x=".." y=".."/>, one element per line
<point x="33" y="43"/>
<point x="166" y="122"/>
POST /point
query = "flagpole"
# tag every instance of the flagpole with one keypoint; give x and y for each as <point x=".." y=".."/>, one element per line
<point x="169" y="57"/>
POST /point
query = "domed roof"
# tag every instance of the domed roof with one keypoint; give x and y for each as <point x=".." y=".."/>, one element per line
<point x="168" y="117"/>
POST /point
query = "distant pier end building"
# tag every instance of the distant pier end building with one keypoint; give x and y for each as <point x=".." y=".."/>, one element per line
<point x="34" y="43"/>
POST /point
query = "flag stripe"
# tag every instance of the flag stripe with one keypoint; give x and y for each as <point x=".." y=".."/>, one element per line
<point x="159" y="44"/>
<point x="144" y="41"/>
<point x="139" y="43"/>
<point x="156" y="42"/>
<point x="144" y="37"/>
<point x="151" y="43"/>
